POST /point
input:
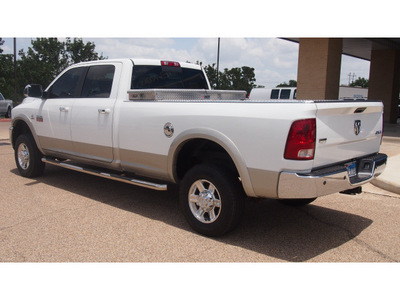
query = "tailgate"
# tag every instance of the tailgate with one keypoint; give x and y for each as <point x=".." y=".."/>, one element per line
<point x="347" y="130"/>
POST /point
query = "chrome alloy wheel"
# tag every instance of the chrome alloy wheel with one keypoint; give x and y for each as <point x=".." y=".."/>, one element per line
<point x="204" y="201"/>
<point x="23" y="156"/>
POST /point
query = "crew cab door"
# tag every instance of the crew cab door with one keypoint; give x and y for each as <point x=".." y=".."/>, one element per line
<point x="52" y="120"/>
<point x="92" y="115"/>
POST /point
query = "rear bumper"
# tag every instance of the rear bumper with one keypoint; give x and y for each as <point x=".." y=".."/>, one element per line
<point x="332" y="179"/>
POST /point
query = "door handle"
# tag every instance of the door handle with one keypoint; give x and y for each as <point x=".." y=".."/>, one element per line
<point x="104" y="110"/>
<point x="64" y="109"/>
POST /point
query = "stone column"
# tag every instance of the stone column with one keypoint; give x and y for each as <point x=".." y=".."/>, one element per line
<point x="384" y="80"/>
<point x="319" y="64"/>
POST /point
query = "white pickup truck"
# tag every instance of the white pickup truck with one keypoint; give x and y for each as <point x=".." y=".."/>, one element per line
<point x="152" y="123"/>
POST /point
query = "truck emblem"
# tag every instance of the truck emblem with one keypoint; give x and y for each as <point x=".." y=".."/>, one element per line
<point x="168" y="129"/>
<point x="357" y="127"/>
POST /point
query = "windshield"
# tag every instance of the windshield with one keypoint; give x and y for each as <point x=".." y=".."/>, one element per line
<point x="160" y="77"/>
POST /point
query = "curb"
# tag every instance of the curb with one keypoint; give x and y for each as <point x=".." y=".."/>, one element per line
<point x="5" y="120"/>
<point x="389" y="180"/>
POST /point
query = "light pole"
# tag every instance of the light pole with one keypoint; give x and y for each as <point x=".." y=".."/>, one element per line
<point x="218" y="63"/>
<point x="15" y="69"/>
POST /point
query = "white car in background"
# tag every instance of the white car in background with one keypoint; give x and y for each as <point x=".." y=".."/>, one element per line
<point x="5" y="106"/>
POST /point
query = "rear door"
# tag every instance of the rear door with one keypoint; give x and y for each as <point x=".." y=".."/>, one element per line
<point x="93" y="113"/>
<point x="347" y="130"/>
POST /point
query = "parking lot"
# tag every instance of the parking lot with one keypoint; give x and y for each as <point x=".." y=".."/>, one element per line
<point x="66" y="216"/>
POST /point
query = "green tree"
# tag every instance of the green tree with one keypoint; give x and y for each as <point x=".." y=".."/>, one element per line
<point x="47" y="57"/>
<point x="361" y="81"/>
<point x="77" y="51"/>
<point x="6" y="73"/>
<point x="212" y="75"/>
<point x="43" y="61"/>
<point x="292" y="83"/>
<point x="231" y="79"/>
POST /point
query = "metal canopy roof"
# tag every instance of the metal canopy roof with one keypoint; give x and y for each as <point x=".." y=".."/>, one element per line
<point x="362" y="47"/>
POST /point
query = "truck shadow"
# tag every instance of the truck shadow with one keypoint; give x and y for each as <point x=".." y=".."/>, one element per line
<point x="268" y="227"/>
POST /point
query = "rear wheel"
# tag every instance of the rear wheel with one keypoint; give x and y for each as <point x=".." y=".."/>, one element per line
<point x="212" y="199"/>
<point x="28" y="157"/>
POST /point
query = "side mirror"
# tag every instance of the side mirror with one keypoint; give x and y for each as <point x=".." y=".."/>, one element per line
<point x="33" y="90"/>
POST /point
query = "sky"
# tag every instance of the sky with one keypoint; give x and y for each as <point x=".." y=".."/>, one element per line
<point x="188" y="31"/>
<point x="275" y="60"/>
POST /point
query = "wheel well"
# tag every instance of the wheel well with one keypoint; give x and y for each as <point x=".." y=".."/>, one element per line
<point x="198" y="151"/>
<point x="20" y="127"/>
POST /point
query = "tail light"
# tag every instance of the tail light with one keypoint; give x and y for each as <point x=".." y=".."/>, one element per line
<point x="300" y="144"/>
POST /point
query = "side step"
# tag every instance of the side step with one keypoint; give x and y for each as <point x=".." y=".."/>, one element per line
<point x="116" y="177"/>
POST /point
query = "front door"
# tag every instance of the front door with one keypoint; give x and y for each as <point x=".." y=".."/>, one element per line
<point x="53" y="118"/>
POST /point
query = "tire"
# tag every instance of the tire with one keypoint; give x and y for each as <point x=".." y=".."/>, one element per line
<point x="8" y="113"/>
<point x="297" y="202"/>
<point x="28" y="158"/>
<point x="212" y="199"/>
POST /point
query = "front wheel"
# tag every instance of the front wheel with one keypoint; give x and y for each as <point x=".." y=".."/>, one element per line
<point x="212" y="199"/>
<point x="28" y="157"/>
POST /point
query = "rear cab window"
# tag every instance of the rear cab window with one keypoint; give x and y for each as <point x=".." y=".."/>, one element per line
<point x="167" y="77"/>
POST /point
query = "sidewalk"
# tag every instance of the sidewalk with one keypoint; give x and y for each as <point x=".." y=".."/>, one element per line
<point x="390" y="178"/>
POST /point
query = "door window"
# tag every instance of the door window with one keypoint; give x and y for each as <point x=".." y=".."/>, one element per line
<point x="68" y="85"/>
<point x="98" y="82"/>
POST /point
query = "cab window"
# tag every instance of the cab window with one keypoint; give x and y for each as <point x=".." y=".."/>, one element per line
<point x="68" y="85"/>
<point x="165" y="77"/>
<point x="98" y="82"/>
<point x="285" y="94"/>
<point x="275" y="94"/>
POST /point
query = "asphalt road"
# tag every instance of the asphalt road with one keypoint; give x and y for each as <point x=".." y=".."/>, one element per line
<point x="65" y="216"/>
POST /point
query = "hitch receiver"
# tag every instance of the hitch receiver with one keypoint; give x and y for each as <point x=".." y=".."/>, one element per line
<point x="355" y="191"/>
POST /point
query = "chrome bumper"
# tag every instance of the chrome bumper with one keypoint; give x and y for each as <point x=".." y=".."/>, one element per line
<point x="332" y="179"/>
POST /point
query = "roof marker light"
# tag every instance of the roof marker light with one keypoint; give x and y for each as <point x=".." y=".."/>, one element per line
<point x="170" y="63"/>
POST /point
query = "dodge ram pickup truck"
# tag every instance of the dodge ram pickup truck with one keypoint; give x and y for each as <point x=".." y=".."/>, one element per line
<point x="154" y="123"/>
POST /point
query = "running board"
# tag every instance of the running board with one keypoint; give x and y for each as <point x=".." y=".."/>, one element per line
<point x="116" y="177"/>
